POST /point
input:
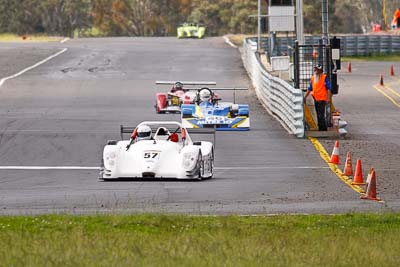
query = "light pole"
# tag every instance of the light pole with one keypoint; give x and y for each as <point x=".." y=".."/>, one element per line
<point x="384" y="15"/>
<point x="299" y="22"/>
<point x="325" y="22"/>
<point x="259" y="26"/>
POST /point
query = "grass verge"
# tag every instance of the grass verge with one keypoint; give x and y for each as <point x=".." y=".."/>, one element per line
<point x="9" y="37"/>
<point x="237" y="39"/>
<point x="172" y="240"/>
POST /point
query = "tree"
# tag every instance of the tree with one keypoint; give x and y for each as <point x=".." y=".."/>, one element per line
<point x="225" y="16"/>
<point x="160" y="18"/>
<point x="345" y="19"/>
<point x="64" y="16"/>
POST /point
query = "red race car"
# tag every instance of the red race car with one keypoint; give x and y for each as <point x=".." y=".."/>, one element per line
<point x="171" y="102"/>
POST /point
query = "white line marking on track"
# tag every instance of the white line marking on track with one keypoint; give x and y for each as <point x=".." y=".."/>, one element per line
<point x="32" y="67"/>
<point x="229" y="42"/>
<point x="216" y="168"/>
<point x="65" y="40"/>
<point x="48" y="168"/>
<point x="270" y="167"/>
<point x="98" y="168"/>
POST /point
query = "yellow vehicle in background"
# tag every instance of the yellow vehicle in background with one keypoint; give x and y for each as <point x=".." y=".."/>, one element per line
<point x="191" y="30"/>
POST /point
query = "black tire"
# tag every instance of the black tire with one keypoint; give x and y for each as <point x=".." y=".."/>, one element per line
<point x="212" y="164"/>
<point x="200" y="167"/>
<point x="100" y="178"/>
<point x="158" y="111"/>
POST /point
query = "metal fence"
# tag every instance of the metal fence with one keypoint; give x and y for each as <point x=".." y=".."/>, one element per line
<point x="278" y="97"/>
<point x="351" y="45"/>
<point x="305" y="58"/>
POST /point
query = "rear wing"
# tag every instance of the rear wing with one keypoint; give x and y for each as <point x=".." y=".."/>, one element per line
<point x="126" y="130"/>
<point x="234" y="89"/>
<point x="229" y="88"/>
<point x="130" y="129"/>
<point x="203" y="131"/>
<point x="194" y="83"/>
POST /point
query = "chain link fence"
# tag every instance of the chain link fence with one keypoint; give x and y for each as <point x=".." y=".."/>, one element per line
<point x="351" y="45"/>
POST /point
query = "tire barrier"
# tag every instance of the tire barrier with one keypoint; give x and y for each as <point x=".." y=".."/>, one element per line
<point x="279" y="98"/>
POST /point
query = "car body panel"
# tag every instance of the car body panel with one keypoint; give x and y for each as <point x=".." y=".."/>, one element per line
<point x="171" y="101"/>
<point x="158" y="158"/>
<point x="224" y="116"/>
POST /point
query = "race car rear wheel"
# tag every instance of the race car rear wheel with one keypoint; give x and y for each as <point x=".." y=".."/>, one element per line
<point x="208" y="165"/>
<point x="200" y="166"/>
<point x="212" y="164"/>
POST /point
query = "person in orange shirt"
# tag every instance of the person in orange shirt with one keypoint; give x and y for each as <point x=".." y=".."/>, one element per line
<point x="320" y="87"/>
<point x="396" y="19"/>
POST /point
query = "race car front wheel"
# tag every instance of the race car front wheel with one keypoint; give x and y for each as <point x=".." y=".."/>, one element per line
<point x="158" y="110"/>
<point x="101" y="178"/>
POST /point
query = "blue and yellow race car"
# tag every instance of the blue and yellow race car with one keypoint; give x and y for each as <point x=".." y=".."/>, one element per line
<point x="208" y="112"/>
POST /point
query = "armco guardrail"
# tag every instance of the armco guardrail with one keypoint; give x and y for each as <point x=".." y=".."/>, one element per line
<point x="351" y="45"/>
<point x="278" y="97"/>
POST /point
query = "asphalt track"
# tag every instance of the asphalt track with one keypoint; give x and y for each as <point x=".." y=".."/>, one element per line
<point x="60" y="114"/>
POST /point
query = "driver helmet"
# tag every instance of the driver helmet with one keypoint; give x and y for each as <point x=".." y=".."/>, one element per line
<point x="144" y="132"/>
<point x="178" y="86"/>
<point x="205" y="95"/>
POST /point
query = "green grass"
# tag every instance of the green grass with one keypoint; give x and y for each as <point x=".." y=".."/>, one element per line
<point x="172" y="240"/>
<point x="10" y="37"/>
<point x="237" y="39"/>
<point x="89" y="32"/>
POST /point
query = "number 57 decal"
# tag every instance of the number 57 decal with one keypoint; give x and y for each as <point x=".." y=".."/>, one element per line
<point x="151" y="155"/>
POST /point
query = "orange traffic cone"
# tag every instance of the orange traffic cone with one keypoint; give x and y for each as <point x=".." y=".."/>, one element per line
<point x="391" y="70"/>
<point x="358" y="176"/>
<point x="371" y="189"/>
<point x="348" y="167"/>
<point x="314" y="53"/>
<point x="349" y="67"/>
<point x="381" y="81"/>
<point x="369" y="175"/>
<point x="335" y="154"/>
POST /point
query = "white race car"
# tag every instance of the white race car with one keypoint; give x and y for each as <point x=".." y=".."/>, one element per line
<point x="168" y="152"/>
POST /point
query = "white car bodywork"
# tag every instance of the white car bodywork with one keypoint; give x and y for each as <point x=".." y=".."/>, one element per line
<point x="158" y="158"/>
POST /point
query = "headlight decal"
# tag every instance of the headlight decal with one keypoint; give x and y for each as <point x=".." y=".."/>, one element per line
<point x="189" y="160"/>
